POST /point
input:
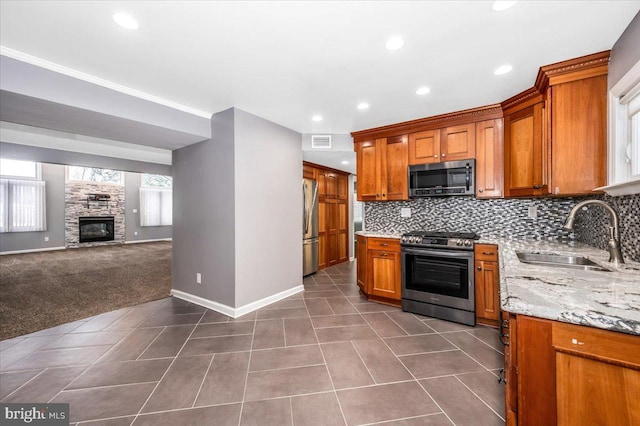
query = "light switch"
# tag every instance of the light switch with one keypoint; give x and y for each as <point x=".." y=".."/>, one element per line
<point x="135" y="210"/>
<point x="405" y="212"/>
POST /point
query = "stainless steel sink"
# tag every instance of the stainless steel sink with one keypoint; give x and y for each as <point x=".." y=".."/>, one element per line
<point x="560" y="261"/>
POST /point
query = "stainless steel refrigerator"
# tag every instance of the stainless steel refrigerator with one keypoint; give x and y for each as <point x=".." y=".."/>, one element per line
<point x="309" y="226"/>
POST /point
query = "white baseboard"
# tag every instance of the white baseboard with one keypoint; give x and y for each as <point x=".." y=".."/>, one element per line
<point x="147" y="241"/>
<point x="352" y="258"/>
<point x="236" y="312"/>
<point x="32" y="250"/>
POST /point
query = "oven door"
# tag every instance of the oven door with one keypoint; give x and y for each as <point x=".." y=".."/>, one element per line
<point x="439" y="277"/>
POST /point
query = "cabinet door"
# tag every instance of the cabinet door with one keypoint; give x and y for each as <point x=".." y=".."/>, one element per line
<point x="322" y="186"/>
<point x="489" y="159"/>
<point x="343" y="187"/>
<point x="487" y="292"/>
<point x="509" y="337"/>
<point x="525" y="152"/>
<point x="384" y="274"/>
<point x="536" y="372"/>
<point x="343" y="230"/>
<point x="367" y="167"/>
<point x="458" y="142"/>
<point x="579" y="136"/>
<point x="331" y="184"/>
<point x="308" y="172"/>
<point x="393" y="179"/>
<point x="332" y="232"/>
<point x="322" y="235"/>
<point x="361" y="258"/>
<point x="424" y="147"/>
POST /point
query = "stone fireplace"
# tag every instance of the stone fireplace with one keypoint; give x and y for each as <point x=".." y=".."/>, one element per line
<point x="96" y="228"/>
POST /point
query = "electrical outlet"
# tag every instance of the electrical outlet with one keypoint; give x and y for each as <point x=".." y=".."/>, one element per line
<point x="135" y="210"/>
<point x="198" y="278"/>
<point x="135" y="233"/>
<point x="46" y="238"/>
<point x="405" y="212"/>
<point x="533" y="212"/>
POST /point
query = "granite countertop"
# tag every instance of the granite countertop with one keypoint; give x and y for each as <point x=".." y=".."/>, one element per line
<point x="607" y="300"/>
<point x="379" y="234"/>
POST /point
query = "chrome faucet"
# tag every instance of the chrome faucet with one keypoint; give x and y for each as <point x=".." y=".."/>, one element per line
<point x="615" y="255"/>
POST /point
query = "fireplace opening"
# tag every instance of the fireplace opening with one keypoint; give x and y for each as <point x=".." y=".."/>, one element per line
<point x="96" y="228"/>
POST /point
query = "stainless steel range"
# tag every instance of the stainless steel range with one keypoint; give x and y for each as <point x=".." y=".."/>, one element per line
<point x="437" y="275"/>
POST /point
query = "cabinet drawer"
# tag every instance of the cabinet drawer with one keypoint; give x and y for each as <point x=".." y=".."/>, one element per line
<point x="390" y="244"/>
<point x="486" y="252"/>
<point x="595" y="343"/>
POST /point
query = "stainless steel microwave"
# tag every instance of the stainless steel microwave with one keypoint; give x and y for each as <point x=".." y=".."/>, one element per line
<point x="442" y="179"/>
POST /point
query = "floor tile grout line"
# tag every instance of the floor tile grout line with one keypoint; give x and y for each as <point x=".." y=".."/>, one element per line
<point x="246" y="378"/>
<point x="482" y="341"/>
<point x="478" y="396"/>
<point x="291" y="410"/>
<point x="25" y="383"/>
<point x="363" y="363"/>
<point x="398" y="324"/>
<point x="426" y="352"/>
<point x="385" y="422"/>
<point x="151" y="343"/>
<point x="416" y="380"/>
<point x="109" y="386"/>
<point x="203" y="380"/>
<point x="326" y="366"/>
<point x="284" y="333"/>
<point x="222" y="335"/>
<point x="466" y="353"/>
<point x="167" y="370"/>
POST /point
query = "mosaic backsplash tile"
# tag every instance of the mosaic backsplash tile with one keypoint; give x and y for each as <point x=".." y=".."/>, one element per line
<point x="507" y="218"/>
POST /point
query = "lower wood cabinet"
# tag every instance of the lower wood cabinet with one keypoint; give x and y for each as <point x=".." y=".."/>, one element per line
<point x="565" y="374"/>
<point x="487" y="282"/>
<point x="380" y="269"/>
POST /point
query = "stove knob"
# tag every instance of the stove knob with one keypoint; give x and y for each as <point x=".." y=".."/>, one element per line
<point x="467" y="243"/>
<point x="458" y="242"/>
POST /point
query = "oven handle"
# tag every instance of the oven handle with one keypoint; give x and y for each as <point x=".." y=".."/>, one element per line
<point x="468" y="176"/>
<point x="440" y="253"/>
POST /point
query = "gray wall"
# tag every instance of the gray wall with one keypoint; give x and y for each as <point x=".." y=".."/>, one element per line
<point x="132" y="220"/>
<point x="268" y="176"/>
<point x="204" y="214"/>
<point x="53" y="175"/>
<point x="625" y="52"/>
<point x="55" y="156"/>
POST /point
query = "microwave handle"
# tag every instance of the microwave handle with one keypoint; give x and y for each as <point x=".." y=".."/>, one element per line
<point x="468" y="176"/>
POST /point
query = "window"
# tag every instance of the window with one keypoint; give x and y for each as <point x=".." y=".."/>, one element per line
<point x="624" y="137"/>
<point x="156" y="202"/>
<point x="22" y="197"/>
<point x="93" y="174"/>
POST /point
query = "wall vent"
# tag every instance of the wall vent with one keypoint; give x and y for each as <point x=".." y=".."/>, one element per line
<point x="321" y="141"/>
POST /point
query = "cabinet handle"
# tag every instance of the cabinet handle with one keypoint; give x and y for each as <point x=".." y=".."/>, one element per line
<point x="479" y="268"/>
<point x="536" y="186"/>
<point x="384" y="254"/>
<point x="444" y="155"/>
<point x="384" y="245"/>
<point x="488" y="253"/>
<point x="435" y="156"/>
<point x="481" y="190"/>
<point x="384" y="195"/>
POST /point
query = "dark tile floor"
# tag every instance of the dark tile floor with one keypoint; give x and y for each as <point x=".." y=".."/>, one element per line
<point x="323" y="357"/>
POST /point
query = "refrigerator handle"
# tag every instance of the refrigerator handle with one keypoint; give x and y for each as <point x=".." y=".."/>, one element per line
<point x="305" y="210"/>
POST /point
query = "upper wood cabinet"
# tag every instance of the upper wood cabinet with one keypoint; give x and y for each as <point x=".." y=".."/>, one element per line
<point x="309" y="172"/>
<point x="489" y="159"/>
<point x="578" y="136"/>
<point x="525" y="152"/>
<point x="424" y="147"/>
<point x="448" y="144"/>
<point x="382" y="169"/>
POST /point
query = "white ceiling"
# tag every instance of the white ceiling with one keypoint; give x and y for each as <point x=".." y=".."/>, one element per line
<point x="287" y="61"/>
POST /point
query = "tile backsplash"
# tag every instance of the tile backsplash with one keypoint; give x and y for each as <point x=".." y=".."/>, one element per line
<point x="509" y="218"/>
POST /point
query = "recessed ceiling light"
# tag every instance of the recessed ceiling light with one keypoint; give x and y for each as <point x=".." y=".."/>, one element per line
<point x="363" y="105"/>
<point x="423" y="91"/>
<point x="344" y="162"/>
<point x="317" y="118"/>
<point x="500" y="5"/>
<point x="394" y="43"/>
<point x="503" y="69"/>
<point x="125" y="21"/>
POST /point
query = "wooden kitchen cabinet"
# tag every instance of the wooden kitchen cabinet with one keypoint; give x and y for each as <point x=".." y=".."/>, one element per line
<point x="489" y="159"/>
<point x="487" y="284"/>
<point x="333" y="217"/>
<point x="380" y="269"/>
<point x="382" y="169"/>
<point x="566" y="374"/>
<point x="578" y="136"/>
<point x="448" y="144"/>
<point x="525" y="152"/>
